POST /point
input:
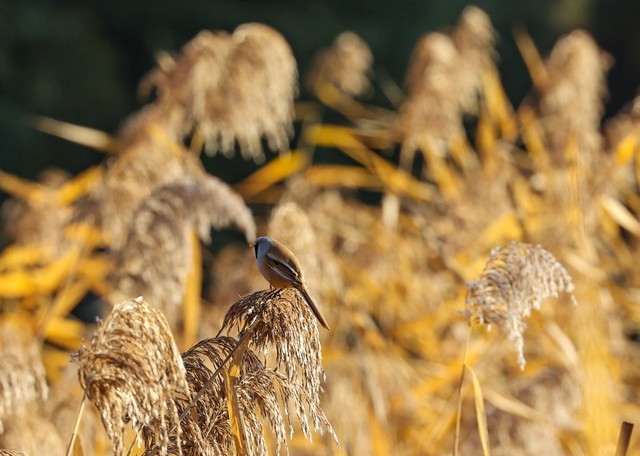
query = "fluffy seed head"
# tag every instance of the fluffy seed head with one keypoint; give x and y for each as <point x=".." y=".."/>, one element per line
<point x="232" y="88"/>
<point x="345" y="65"/>
<point x="283" y="323"/>
<point x="132" y="371"/>
<point x="515" y="280"/>
<point x="155" y="259"/>
<point x="23" y="386"/>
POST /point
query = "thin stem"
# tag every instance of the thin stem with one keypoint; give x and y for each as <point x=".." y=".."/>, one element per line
<point x="247" y="333"/>
<point x="624" y="438"/>
<point x="456" y="444"/>
<point x="135" y="439"/>
<point x="76" y="427"/>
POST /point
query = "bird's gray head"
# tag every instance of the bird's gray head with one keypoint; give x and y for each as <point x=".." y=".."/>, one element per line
<point x="261" y="245"/>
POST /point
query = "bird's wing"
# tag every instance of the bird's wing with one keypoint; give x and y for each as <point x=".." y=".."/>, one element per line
<point x="282" y="268"/>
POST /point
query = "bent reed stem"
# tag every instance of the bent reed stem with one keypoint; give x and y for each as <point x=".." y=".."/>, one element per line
<point x="76" y="426"/>
<point x="456" y="444"/>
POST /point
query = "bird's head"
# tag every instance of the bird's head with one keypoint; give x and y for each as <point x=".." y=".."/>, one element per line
<point x="261" y="244"/>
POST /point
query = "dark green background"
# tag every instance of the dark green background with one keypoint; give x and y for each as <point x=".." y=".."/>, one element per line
<point x="81" y="61"/>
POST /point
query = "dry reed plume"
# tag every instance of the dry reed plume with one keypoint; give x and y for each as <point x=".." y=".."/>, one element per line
<point x="23" y="387"/>
<point x="40" y="221"/>
<point x="264" y="397"/>
<point x="132" y="371"/>
<point x="229" y="88"/>
<point x="153" y="395"/>
<point x="148" y="158"/>
<point x="345" y="65"/>
<point x="23" y="393"/>
<point x="32" y="434"/>
<point x="155" y="259"/>
<point x="444" y="80"/>
<point x="572" y="101"/>
<point x="392" y="360"/>
<point x="515" y="280"/>
<point x="282" y="322"/>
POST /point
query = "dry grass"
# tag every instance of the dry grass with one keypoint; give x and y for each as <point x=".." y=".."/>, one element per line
<point x="229" y="88"/>
<point x="131" y="372"/>
<point x="23" y="387"/>
<point x="345" y="66"/>
<point x="155" y="259"/>
<point x="538" y="183"/>
<point x="39" y="221"/>
<point x="515" y="280"/>
<point x="33" y="434"/>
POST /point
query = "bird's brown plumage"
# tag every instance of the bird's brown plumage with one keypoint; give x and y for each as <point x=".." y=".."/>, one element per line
<point x="282" y="270"/>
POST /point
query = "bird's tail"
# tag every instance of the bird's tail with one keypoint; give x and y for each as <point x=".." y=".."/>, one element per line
<point x="313" y="305"/>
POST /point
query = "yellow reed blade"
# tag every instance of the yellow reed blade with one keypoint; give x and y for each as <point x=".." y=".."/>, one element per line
<point x="40" y="280"/>
<point x="618" y="212"/>
<point x="379" y="441"/>
<point x="65" y="332"/>
<point x="273" y="172"/>
<point x="498" y="106"/>
<point x="160" y="136"/>
<point x="77" y="447"/>
<point x="532" y="139"/>
<point x="487" y="143"/>
<point x="531" y="57"/>
<point x="86" y="234"/>
<point x="481" y="414"/>
<point x="462" y="153"/>
<point x="626" y="149"/>
<point x="330" y="96"/>
<point x="89" y="137"/>
<point x="22" y="256"/>
<point x="600" y="368"/>
<point x="395" y="179"/>
<point x="437" y="167"/>
<point x="504" y="229"/>
<point x="342" y="176"/>
<point x="66" y="299"/>
<point x="233" y="407"/>
<point x="193" y="290"/>
<point x="78" y="186"/>
<point x="24" y="189"/>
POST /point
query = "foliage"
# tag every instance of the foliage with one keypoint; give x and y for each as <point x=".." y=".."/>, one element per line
<point x="457" y="171"/>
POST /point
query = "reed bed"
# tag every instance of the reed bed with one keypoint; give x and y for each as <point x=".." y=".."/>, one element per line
<point x="483" y="300"/>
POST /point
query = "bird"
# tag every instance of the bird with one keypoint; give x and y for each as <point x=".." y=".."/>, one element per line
<point x="281" y="268"/>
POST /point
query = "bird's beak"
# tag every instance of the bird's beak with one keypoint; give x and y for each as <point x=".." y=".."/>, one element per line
<point x="252" y="245"/>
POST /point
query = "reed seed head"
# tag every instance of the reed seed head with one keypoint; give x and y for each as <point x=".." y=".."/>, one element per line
<point x="33" y="435"/>
<point x="345" y="65"/>
<point x="232" y="88"/>
<point x="38" y="223"/>
<point x="572" y="103"/>
<point x="156" y="257"/>
<point x="132" y="372"/>
<point x="23" y="386"/>
<point x="515" y="280"/>
<point x="283" y="323"/>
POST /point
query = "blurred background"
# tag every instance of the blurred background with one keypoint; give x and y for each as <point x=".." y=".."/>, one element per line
<point x="81" y="61"/>
<point x="544" y="171"/>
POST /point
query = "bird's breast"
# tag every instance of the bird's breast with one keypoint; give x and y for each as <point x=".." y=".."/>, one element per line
<point x="274" y="278"/>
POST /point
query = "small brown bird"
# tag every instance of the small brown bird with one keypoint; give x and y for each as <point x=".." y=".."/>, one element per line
<point x="281" y="269"/>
